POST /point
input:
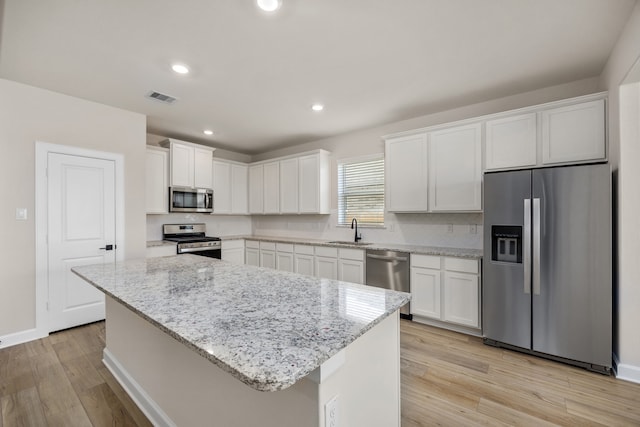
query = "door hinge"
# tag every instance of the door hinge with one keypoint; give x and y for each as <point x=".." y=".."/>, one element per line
<point x="47" y="305"/>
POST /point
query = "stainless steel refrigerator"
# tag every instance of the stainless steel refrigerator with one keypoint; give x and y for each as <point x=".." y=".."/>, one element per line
<point x="547" y="278"/>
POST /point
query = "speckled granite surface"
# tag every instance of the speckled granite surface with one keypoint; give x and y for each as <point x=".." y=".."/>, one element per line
<point x="267" y="328"/>
<point x="415" y="249"/>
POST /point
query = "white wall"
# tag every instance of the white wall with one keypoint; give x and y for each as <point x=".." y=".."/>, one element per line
<point x="624" y="140"/>
<point x="29" y="114"/>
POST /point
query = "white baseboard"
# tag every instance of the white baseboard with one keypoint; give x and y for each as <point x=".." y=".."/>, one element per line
<point x="146" y="404"/>
<point x="627" y="372"/>
<point x="21" y="337"/>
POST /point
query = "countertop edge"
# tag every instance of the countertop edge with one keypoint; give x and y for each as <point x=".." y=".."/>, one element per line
<point x="414" y="249"/>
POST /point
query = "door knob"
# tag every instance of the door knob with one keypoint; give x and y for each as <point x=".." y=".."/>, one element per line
<point x="107" y="248"/>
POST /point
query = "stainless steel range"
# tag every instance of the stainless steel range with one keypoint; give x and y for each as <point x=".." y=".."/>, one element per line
<point x="192" y="238"/>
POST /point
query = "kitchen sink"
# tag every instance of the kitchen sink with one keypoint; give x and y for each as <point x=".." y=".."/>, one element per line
<point x="348" y="242"/>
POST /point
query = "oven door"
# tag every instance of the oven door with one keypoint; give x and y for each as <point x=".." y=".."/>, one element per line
<point x="182" y="199"/>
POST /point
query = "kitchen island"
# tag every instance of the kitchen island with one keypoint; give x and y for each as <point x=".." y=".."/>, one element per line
<point x="198" y="341"/>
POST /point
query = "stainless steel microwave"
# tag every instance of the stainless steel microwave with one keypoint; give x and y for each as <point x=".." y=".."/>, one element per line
<point x="184" y="199"/>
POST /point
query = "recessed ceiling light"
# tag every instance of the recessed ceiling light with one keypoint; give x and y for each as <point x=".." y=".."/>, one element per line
<point x="269" y="5"/>
<point x="180" y="69"/>
<point x="317" y="107"/>
<point x="208" y="132"/>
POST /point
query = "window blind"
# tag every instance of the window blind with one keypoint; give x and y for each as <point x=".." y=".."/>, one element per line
<point x="361" y="192"/>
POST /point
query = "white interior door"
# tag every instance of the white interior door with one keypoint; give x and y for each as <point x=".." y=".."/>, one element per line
<point x="81" y="229"/>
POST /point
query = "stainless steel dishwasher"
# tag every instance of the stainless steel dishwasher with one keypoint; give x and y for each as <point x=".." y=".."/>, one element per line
<point x="389" y="270"/>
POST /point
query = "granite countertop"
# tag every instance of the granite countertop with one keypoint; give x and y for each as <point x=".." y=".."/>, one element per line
<point x="265" y="327"/>
<point x="414" y="249"/>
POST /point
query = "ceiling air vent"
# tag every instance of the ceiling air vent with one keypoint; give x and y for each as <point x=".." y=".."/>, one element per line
<point x="161" y="97"/>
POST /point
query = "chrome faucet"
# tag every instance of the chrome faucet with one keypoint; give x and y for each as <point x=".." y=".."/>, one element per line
<point x="357" y="237"/>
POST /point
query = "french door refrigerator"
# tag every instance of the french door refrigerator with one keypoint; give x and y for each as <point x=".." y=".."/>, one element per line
<point x="547" y="278"/>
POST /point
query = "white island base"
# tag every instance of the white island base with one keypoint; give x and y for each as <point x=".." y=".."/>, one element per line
<point x="174" y="386"/>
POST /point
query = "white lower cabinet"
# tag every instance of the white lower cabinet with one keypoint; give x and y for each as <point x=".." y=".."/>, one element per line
<point x="284" y="256"/>
<point x="252" y="253"/>
<point x="326" y="262"/>
<point x="461" y="296"/>
<point x="351" y="265"/>
<point x="268" y="255"/>
<point x="233" y="251"/>
<point x="303" y="259"/>
<point x="446" y="290"/>
<point x="425" y="291"/>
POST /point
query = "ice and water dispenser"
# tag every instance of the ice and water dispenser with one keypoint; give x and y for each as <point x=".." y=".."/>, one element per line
<point x="506" y="243"/>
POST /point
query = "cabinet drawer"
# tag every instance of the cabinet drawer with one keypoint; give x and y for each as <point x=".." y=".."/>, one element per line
<point x="303" y="249"/>
<point x="284" y="247"/>
<point x="353" y="254"/>
<point x="233" y="244"/>
<point x="326" y="252"/>
<point x="425" y="261"/>
<point x="252" y="244"/>
<point x="461" y="264"/>
<point x="267" y="246"/>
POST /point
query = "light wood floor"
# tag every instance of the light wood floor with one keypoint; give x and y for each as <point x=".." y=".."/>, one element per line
<point x="448" y="379"/>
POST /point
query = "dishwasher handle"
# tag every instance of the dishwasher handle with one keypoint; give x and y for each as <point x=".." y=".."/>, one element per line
<point x="388" y="258"/>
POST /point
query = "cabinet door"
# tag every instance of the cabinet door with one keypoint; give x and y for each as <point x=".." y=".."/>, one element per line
<point x="303" y="264"/>
<point x="351" y="271"/>
<point x="268" y="259"/>
<point x="239" y="189"/>
<point x="574" y="133"/>
<point x="252" y="256"/>
<point x="256" y="189"/>
<point x="284" y="261"/>
<point x="314" y="184"/>
<point x="182" y="165"/>
<point x="455" y="169"/>
<point x="425" y="292"/>
<point x="202" y="168"/>
<point x="157" y="186"/>
<point x="511" y="142"/>
<point x="272" y="188"/>
<point x="234" y="256"/>
<point x="406" y="174"/>
<point x="289" y="186"/>
<point x="326" y="268"/>
<point x="221" y="187"/>
<point x="461" y="299"/>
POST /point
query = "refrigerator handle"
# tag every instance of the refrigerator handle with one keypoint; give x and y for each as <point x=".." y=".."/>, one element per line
<point x="536" y="246"/>
<point x="526" y="244"/>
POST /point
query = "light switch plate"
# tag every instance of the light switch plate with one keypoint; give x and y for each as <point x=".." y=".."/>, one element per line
<point x="21" y="214"/>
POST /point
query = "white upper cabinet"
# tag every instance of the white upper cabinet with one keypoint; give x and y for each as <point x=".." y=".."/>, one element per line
<point x="314" y="183"/>
<point x="439" y="171"/>
<point x="157" y="182"/>
<point x="202" y="172"/>
<point x="239" y="189"/>
<point x="190" y="164"/>
<point x="230" y="188"/>
<point x="574" y="133"/>
<point x="455" y="169"/>
<point x="511" y="142"/>
<point x="406" y="173"/>
<point x="289" y="185"/>
<point x="271" y="188"/>
<point x="256" y="189"/>
<point x="221" y="187"/>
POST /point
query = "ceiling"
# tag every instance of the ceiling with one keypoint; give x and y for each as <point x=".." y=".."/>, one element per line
<point x="254" y="75"/>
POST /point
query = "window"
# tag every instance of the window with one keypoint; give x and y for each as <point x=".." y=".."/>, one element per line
<point x="361" y="191"/>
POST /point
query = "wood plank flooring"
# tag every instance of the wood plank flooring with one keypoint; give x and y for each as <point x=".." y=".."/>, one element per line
<point x="448" y="379"/>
